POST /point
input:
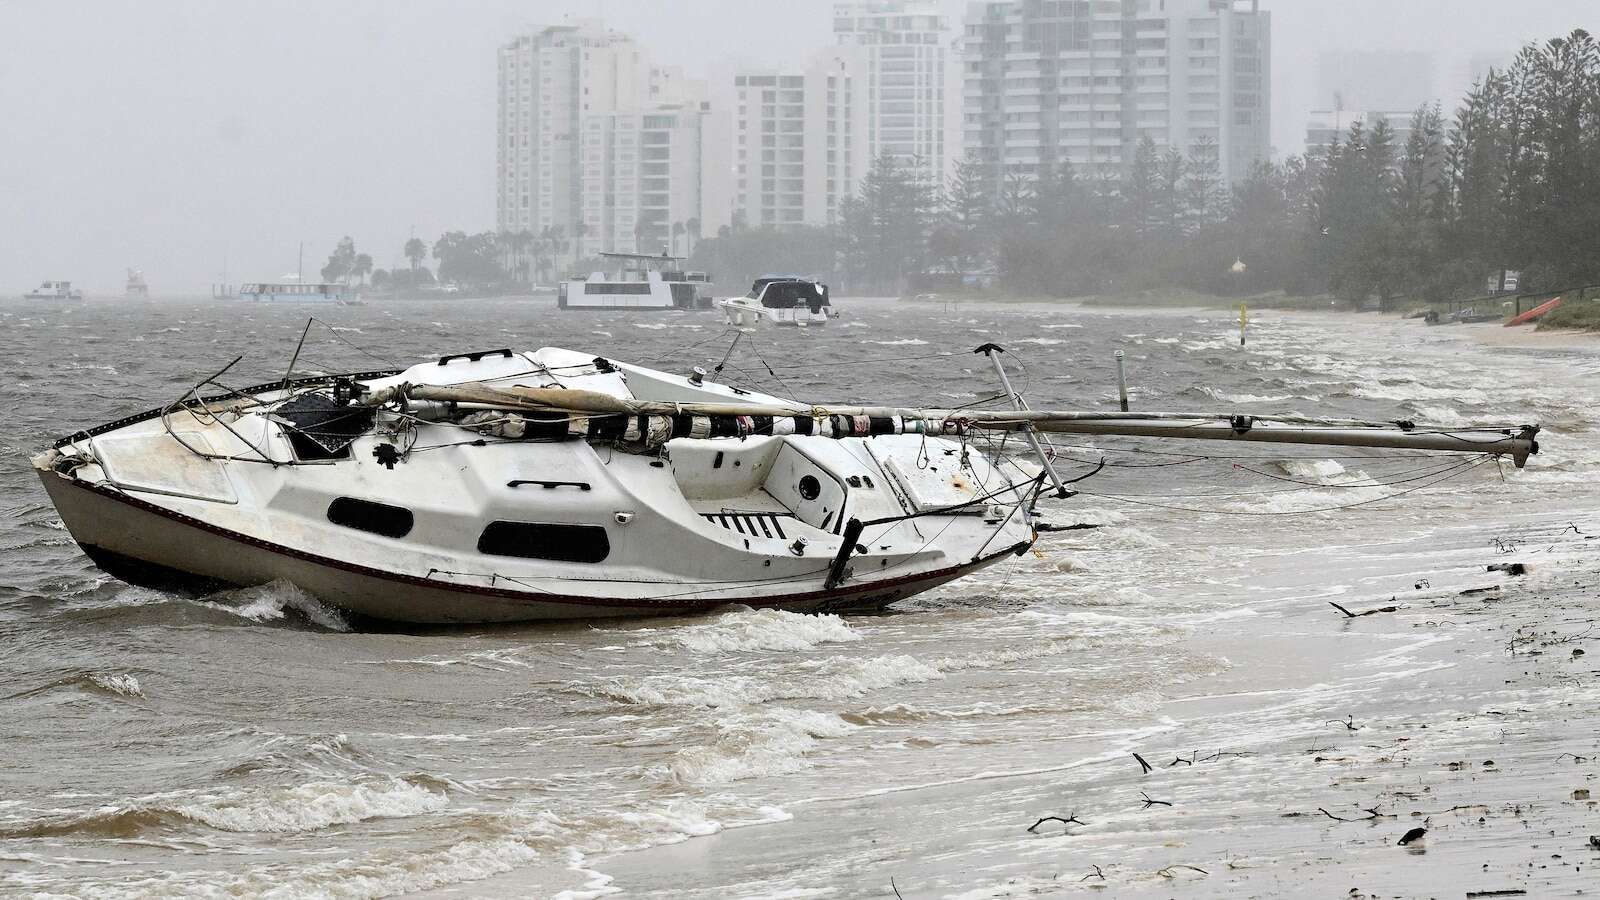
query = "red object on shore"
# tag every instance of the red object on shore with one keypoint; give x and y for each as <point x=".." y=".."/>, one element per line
<point x="1534" y="313"/>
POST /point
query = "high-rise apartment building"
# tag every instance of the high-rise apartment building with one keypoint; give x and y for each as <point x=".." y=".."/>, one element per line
<point x="797" y="153"/>
<point x="596" y="142"/>
<point x="910" y="79"/>
<point x="1085" y="80"/>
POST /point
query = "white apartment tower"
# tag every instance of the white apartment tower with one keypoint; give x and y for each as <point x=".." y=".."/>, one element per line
<point x="796" y="154"/>
<point x="910" y="78"/>
<point x="1085" y="80"/>
<point x="597" y="143"/>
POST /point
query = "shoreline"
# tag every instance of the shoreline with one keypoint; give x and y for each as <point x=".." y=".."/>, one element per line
<point x="1465" y="712"/>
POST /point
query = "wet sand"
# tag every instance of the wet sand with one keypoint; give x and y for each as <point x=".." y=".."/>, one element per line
<point x="1472" y="712"/>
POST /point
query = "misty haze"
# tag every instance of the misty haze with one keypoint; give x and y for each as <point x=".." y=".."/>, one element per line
<point x="854" y="448"/>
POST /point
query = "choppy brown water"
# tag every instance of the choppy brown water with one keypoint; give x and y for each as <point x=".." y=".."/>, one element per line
<point x="248" y="744"/>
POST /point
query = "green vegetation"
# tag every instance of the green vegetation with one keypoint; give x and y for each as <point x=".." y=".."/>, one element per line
<point x="1579" y="310"/>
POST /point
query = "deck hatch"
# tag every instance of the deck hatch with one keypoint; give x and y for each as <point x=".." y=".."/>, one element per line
<point x="537" y="540"/>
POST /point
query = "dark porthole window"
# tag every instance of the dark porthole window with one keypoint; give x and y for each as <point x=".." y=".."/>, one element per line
<point x="532" y="540"/>
<point x="377" y="518"/>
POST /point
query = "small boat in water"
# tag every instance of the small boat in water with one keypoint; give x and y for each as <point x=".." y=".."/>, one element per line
<point x="503" y="486"/>
<point x="137" y="288"/>
<point x="780" y="300"/>
<point x="295" y="292"/>
<point x="640" y="282"/>
<point x="54" y="290"/>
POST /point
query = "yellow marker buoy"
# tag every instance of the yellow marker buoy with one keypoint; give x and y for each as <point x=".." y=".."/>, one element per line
<point x="1244" y="320"/>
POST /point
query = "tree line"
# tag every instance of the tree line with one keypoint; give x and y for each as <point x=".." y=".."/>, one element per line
<point x="1511" y="180"/>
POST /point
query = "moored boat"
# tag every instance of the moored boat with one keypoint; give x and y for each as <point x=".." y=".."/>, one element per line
<point x="294" y="292"/>
<point x="54" y="290"/>
<point x="137" y="288"/>
<point x="780" y="300"/>
<point x="639" y="282"/>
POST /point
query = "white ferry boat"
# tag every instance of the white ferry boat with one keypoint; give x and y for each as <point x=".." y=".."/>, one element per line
<point x="640" y="282"/>
<point x="294" y="292"/>
<point x="780" y="300"/>
<point x="137" y="287"/>
<point x="54" y="290"/>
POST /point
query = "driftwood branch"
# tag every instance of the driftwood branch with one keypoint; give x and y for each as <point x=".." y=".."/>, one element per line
<point x="1349" y="722"/>
<point x="1149" y="803"/>
<point x="1370" y="815"/>
<point x="1169" y="870"/>
<point x="1371" y="612"/>
<point x="1146" y="767"/>
<point x="1095" y="874"/>
<point x="894" y="888"/>
<point x="1070" y="820"/>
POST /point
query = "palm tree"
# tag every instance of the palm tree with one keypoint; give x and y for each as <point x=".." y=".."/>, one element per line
<point x="361" y="267"/>
<point x="416" y="251"/>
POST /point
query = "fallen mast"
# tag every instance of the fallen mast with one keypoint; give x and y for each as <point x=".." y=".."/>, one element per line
<point x="554" y="413"/>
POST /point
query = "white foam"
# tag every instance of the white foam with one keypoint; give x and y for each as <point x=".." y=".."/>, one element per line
<point x="1313" y="468"/>
<point x="126" y="685"/>
<point x="835" y="679"/>
<point x="907" y="342"/>
<point x="271" y="601"/>
<point x="308" y="807"/>
<point x="747" y="629"/>
<point x="1042" y="342"/>
<point x="774" y="742"/>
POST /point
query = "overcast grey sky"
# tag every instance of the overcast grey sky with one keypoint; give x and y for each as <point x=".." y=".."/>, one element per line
<point x="169" y="135"/>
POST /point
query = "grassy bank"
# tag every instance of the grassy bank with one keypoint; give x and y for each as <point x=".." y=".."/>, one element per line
<point x="1579" y="311"/>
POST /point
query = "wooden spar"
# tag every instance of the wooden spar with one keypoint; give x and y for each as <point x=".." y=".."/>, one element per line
<point x="1517" y="441"/>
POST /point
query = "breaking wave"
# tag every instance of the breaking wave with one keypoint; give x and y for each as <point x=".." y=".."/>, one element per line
<point x="747" y="629"/>
<point x="306" y="807"/>
<point x="775" y="742"/>
<point x="274" y="601"/>
<point x="832" y="679"/>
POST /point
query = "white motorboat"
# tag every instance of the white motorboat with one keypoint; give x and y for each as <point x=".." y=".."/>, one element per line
<point x="295" y="292"/>
<point x="640" y="282"/>
<point x="502" y="486"/>
<point x="780" y="300"/>
<point x="54" y="290"/>
<point x="137" y="287"/>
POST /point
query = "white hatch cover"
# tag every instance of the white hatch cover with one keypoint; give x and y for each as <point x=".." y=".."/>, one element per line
<point x="157" y="464"/>
<point x="942" y="483"/>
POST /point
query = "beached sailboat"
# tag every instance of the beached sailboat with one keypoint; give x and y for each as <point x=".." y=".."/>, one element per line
<point x="502" y="486"/>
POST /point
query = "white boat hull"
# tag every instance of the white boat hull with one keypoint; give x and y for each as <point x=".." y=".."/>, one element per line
<point x="144" y="543"/>
<point x="432" y="522"/>
<point x="740" y="313"/>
